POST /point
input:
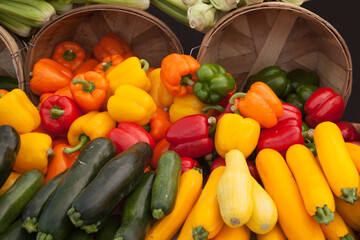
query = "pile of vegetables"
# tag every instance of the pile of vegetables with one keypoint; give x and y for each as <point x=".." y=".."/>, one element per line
<point x="116" y="149"/>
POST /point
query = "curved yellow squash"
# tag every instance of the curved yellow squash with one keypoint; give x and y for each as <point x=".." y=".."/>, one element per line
<point x="335" y="161"/>
<point x="350" y="213"/>
<point x="229" y="233"/>
<point x="336" y="230"/>
<point x="264" y="215"/>
<point x="279" y="183"/>
<point x="189" y="191"/>
<point x="354" y="151"/>
<point x="234" y="190"/>
<point x="315" y="190"/>
<point x="275" y="234"/>
<point x="206" y="218"/>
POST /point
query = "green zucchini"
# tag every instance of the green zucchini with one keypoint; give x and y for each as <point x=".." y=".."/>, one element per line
<point x="8" y="83"/>
<point x="78" y="234"/>
<point x="166" y="184"/>
<point x="15" y="199"/>
<point x="32" y="211"/>
<point x="17" y="232"/>
<point x="115" y="180"/>
<point x="136" y="213"/>
<point x="9" y="148"/>
<point x="53" y="221"/>
<point x="110" y="227"/>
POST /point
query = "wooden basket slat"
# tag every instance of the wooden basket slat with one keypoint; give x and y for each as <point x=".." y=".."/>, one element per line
<point x="271" y="16"/>
<point x="260" y="29"/>
<point x="241" y="26"/>
<point x="308" y="62"/>
<point x="300" y="29"/>
<point x="239" y="64"/>
<point x="241" y="43"/>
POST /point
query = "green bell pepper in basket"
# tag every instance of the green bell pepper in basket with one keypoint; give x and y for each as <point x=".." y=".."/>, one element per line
<point x="274" y="77"/>
<point x="301" y="77"/>
<point x="213" y="83"/>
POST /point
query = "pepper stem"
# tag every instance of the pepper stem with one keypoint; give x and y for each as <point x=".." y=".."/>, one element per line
<point x="215" y="107"/>
<point x="106" y="66"/>
<point x="69" y="55"/>
<point x="212" y="123"/>
<point x="83" y="140"/>
<point x="50" y="153"/>
<point x="56" y="112"/>
<point x="144" y="64"/>
<point x="186" y="80"/>
<point x="347" y="237"/>
<point x="87" y="86"/>
<point x="199" y="233"/>
<point x="324" y="215"/>
<point x="235" y="96"/>
<point x="1" y="95"/>
<point x="309" y="134"/>
<point x="349" y="195"/>
<point x="198" y="169"/>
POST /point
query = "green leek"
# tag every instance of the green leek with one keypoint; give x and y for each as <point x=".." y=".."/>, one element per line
<point x="139" y="4"/>
<point x="14" y="26"/>
<point x="225" y="5"/>
<point x="172" y="11"/>
<point x="202" y="16"/>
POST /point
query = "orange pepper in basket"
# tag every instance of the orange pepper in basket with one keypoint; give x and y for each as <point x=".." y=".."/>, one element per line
<point x="3" y="92"/>
<point x="69" y="54"/>
<point x="110" y="44"/>
<point x="108" y="64"/>
<point x="88" y="65"/>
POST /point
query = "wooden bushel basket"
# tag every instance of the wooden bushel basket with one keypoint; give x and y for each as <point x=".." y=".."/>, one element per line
<point x="12" y="56"/>
<point x="148" y="37"/>
<point x="274" y="33"/>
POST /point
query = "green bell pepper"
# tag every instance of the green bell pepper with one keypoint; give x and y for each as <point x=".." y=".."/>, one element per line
<point x="304" y="91"/>
<point x="294" y="100"/>
<point x="213" y="83"/>
<point x="311" y="146"/>
<point x="274" y="77"/>
<point x="300" y="76"/>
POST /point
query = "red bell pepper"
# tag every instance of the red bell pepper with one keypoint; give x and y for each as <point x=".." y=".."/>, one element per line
<point x="189" y="136"/>
<point x="324" y="105"/>
<point x="348" y="131"/>
<point x="57" y="114"/>
<point x="188" y="163"/>
<point x="285" y="133"/>
<point x="355" y="142"/>
<point x="219" y="161"/>
<point x="127" y="134"/>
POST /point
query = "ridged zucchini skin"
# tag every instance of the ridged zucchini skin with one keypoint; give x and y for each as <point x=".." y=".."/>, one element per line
<point x="54" y="222"/>
<point x="116" y="179"/>
<point x="166" y="184"/>
<point x="17" y="232"/>
<point x="15" y="199"/>
<point x="9" y="148"/>
<point x="136" y="214"/>
<point x="31" y="213"/>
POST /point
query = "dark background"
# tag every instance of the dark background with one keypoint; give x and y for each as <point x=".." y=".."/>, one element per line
<point x="342" y="15"/>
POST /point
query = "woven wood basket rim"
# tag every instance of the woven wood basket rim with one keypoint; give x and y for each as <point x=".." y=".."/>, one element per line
<point x="17" y="51"/>
<point x="102" y="7"/>
<point x="283" y="6"/>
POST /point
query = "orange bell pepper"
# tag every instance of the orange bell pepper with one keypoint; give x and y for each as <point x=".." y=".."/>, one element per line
<point x="108" y="64"/>
<point x="3" y="92"/>
<point x="159" y="124"/>
<point x="69" y="54"/>
<point x="88" y="65"/>
<point x="65" y="92"/>
<point x="178" y="73"/>
<point x="60" y="161"/>
<point x="89" y="90"/>
<point x="43" y="97"/>
<point x="110" y="44"/>
<point x="49" y="76"/>
<point x="161" y="147"/>
<point x="261" y="104"/>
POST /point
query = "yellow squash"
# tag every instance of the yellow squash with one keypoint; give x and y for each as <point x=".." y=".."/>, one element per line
<point x="264" y="215"/>
<point x="229" y="233"/>
<point x="337" y="229"/>
<point x="9" y="182"/>
<point x="186" y="229"/>
<point x="349" y="212"/>
<point x="189" y="191"/>
<point x="206" y="219"/>
<point x="354" y="151"/>
<point x="315" y="190"/>
<point x="234" y="190"/>
<point x="279" y="183"/>
<point x="275" y="234"/>
<point x="335" y="161"/>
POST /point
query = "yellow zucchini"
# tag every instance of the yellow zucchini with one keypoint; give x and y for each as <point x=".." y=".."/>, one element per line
<point x="314" y="189"/>
<point x="186" y="229"/>
<point x="230" y="233"/>
<point x="189" y="191"/>
<point x="264" y="215"/>
<point x="335" y="161"/>
<point x="349" y="212"/>
<point x="275" y="234"/>
<point x="337" y="229"/>
<point x="234" y="190"/>
<point x="206" y="220"/>
<point x="354" y="152"/>
<point x="279" y="183"/>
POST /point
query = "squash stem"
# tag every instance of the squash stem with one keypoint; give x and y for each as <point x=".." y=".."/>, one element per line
<point x="158" y="213"/>
<point x="75" y="217"/>
<point x="347" y="237"/>
<point x="44" y="236"/>
<point x="349" y="195"/>
<point x="30" y="224"/>
<point x="200" y="233"/>
<point x="324" y="215"/>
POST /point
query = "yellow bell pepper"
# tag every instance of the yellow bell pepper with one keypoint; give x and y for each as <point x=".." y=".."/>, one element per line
<point x="131" y="104"/>
<point x="130" y="72"/>
<point x="35" y="148"/>
<point x="88" y="127"/>
<point x="236" y="132"/>
<point x="185" y="106"/>
<point x="9" y="182"/>
<point x="17" y="111"/>
<point x="158" y="90"/>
